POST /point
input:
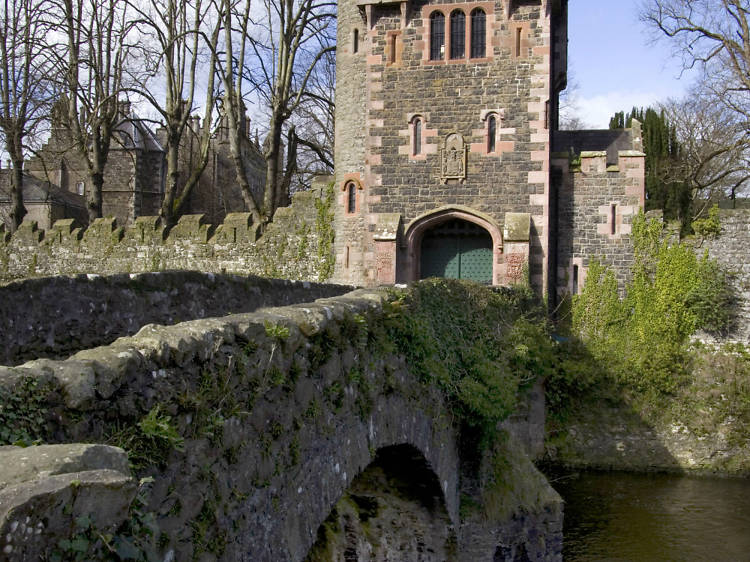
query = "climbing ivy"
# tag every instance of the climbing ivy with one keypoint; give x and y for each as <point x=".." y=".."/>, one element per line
<point x="643" y="337"/>
<point x="22" y="412"/>
<point x="324" y="229"/>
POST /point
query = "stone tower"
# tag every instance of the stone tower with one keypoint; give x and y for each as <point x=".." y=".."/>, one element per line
<point x="444" y="119"/>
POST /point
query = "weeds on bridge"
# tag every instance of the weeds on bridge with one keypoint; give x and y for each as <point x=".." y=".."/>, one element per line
<point x="479" y="346"/>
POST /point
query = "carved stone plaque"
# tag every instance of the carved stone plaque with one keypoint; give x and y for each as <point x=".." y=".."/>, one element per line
<point x="453" y="158"/>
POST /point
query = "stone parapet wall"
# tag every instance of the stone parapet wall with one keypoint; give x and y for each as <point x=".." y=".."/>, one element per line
<point x="297" y="245"/>
<point x="251" y="426"/>
<point x="56" y="316"/>
<point x="732" y="249"/>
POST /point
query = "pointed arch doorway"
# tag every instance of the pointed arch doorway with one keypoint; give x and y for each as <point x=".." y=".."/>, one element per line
<point x="453" y="243"/>
<point x="457" y="249"/>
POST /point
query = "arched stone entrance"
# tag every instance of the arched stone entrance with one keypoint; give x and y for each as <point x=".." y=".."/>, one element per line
<point x="456" y="243"/>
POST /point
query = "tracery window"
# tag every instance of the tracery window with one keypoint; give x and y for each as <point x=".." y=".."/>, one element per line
<point x="437" y="35"/>
<point x="458" y="34"/>
<point x="478" y="33"/>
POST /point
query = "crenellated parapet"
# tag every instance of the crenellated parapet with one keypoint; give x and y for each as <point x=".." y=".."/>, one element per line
<point x="290" y="246"/>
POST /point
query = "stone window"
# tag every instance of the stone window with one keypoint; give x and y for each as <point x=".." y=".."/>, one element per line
<point x="491" y="133"/>
<point x="437" y="36"/>
<point x="478" y="33"/>
<point x="458" y="34"/>
<point x="80" y="188"/>
<point x="517" y="47"/>
<point x="351" y="197"/>
<point x="416" y="136"/>
<point x="355" y="41"/>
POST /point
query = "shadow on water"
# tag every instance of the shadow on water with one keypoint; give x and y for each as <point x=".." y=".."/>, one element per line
<point x="659" y="517"/>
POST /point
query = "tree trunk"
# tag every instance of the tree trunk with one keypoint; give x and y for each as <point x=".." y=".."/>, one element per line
<point x="17" y="211"/>
<point x="272" y="154"/>
<point x="173" y="177"/>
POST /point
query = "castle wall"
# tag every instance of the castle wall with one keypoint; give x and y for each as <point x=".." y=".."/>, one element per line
<point x="391" y="81"/>
<point x="596" y="204"/>
<point x="297" y="245"/>
<point x="730" y="249"/>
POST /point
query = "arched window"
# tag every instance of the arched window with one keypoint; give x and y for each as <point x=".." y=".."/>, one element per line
<point x="458" y="34"/>
<point x="478" y="34"/>
<point x="351" y="197"/>
<point x="491" y="133"/>
<point x="417" y="137"/>
<point x="355" y="41"/>
<point x="437" y="35"/>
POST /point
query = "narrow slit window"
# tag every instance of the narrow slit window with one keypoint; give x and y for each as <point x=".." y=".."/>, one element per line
<point x="346" y="257"/>
<point x="392" y="49"/>
<point x="478" y="33"/>
<point x="575" y="279"/>
<point x="613" y="219"/>
<point x="491" y="133"/>
<point x="458" y="34"/>
<point x="518" y="42"/>
<point x="417" y="141"/>
<point x="355" y="41"/>
<point x="351" y="197"/>
<point x="437" y="36"/>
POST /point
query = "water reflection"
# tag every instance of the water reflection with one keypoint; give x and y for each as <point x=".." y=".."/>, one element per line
<point x="643" y="517"/>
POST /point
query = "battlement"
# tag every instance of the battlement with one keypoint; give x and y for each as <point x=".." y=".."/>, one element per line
<point x="291" y="247"/>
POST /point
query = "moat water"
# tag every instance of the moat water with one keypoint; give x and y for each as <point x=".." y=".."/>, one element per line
<point x="654" y="517"/>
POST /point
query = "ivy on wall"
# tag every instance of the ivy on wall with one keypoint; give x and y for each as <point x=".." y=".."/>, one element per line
<point x="673" y="293"/>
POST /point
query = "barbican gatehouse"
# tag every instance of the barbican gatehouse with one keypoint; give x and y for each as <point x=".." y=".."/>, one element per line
<point x="449" y="161"/>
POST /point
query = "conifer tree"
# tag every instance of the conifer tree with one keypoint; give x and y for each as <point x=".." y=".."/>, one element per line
<point x="664" y="189"/>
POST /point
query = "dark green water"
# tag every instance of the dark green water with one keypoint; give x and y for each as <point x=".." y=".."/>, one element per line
<point x="644" y="517"/>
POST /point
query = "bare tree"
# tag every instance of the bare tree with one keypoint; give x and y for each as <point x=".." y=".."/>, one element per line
<point x="292" y="39"/>
<point x="235" y="15"/>
<point x="91" y="61"/>
<point x="314" y="125"/>
<point x="180" y="50"/>
<point x="712" y="34"/>
<point x="569" y="107"/>
<point x="713" y="160"/>
<point x="24" y="90"/>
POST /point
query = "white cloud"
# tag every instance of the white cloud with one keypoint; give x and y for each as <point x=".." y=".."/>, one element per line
<point x="596" y="111"/>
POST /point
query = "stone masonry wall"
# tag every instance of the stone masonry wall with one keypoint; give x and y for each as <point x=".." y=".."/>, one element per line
<point x="596" y="205"/>
<point x="297" y="245"/>
<point x="252" y="426"/>
<point x="55" y="316"/>
<point x="731" y="250"/>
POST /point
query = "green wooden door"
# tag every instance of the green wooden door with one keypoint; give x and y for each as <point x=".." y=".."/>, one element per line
<point x="458" y="250"/>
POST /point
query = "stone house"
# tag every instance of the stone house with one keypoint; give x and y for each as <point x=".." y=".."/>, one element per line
<point x="44" y="202"/>
<point x="134" y="177"/>
<point x="448" y="157"/>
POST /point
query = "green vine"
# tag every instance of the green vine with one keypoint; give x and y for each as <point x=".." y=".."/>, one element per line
<point x="325" y="231"/>
<point x="22" y="412"/>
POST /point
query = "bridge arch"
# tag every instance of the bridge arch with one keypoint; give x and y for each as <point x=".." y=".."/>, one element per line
<point x="394" y="509"/>
<point x="438" y="242"/>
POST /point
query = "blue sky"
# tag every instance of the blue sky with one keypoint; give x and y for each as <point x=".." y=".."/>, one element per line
<point x="616" y="64"/>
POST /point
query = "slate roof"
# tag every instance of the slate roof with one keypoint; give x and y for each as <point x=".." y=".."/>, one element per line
<point x="134" y="133"/>
<point x="38" y="191"/>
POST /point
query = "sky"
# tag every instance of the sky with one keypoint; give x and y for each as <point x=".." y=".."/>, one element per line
<point x="616" y="63"/>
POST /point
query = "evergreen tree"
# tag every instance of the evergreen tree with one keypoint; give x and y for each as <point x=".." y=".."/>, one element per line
<point x="664" y="189"/>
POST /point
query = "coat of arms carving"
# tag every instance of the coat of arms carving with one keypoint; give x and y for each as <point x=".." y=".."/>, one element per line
<point x="453" y="158"/>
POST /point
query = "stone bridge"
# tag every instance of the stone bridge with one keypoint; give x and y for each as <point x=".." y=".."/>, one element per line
<point x="280" y="434"/>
